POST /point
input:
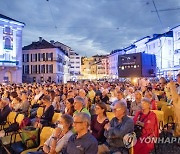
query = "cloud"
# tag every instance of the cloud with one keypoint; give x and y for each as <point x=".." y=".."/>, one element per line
<point x="90" y="26"/>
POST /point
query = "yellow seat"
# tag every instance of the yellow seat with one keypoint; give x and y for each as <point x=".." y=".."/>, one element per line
<point x="160" y="117"/>
<point x="56" y="117"/>
<point x="160" y="104"/>
<point x="45" y="134"/>
<point x="110" y="115"/>
<point x="10" y="119"/>
<point x="168" y="114"/>
<point x="19" y="118"/>
<point x="40" y="111"/>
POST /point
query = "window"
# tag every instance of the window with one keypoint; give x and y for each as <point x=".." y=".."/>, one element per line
<point x="47" y="56"/>
<point x="49" y="78"/>
<point x="178" y="35"/>
<point x="51" y="68"/>
<point x="47" y="69"/>
<point x="31" y="57"/>
<point x="31" y="69"/>
<point x="7" y="44"/>
<point x="77" y="67"/>
<point x="77" y="57"/>
<point x="39" y="57"/>
<point x="26" y="69"/>
<point x="34" y="69"/>
<point x="7" y="30"/>
<point x="34" y="79"/>
<point x="51" y="56"/>
<point x="43" y="56"/>
<point x="27" y="58"/>
<point x="39" y="69"/>
<point x="35" y="57"/>
<point x="42" y="68"/>
<point x="149" y="47"/>
<point x="23" y="59"/>
<point x="23" y="69"/>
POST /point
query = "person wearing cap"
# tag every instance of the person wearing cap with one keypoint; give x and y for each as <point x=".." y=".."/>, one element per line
<point x="79" y="106"/>
<point x="148" y="121"/>
<point x="4" y="109"/>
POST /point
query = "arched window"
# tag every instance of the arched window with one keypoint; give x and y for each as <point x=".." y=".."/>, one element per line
<point x="7" y="44"/>
<point x="7" y="30"/>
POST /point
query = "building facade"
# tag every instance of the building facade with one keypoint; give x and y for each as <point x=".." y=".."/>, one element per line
<point x="75" y="66"/>
<point x="113" y="63"/>
<point x="42" y="61"/>
<point x="176" y="45"/>
<point x="86" y="68"/>
<point x="66" y="59"/>
<point x="10" y="49"/>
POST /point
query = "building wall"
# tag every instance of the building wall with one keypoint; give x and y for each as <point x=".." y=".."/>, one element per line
<point x="176" y="34"/>
<point x="10" y="51"/>
<point x="113" y="65"/>
<point x="41" y="74"/>
<point x="75" y="65"/>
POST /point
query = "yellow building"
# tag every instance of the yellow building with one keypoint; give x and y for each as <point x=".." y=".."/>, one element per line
<point x="95" y="67"/>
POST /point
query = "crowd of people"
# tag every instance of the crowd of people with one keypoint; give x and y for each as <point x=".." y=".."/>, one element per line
<point x="84" y="126"/>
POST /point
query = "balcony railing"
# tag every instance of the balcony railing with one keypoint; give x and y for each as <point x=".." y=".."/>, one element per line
<point x="9" y="47"/>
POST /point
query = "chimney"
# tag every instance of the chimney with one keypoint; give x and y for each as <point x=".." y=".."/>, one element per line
<point x="40" y="39"/>
<point x="52" y="41"/>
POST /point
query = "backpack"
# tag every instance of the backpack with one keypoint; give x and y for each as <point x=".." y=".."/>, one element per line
<point x="30" y="137"/>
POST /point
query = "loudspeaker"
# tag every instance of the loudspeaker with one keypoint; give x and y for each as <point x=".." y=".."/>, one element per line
<point x="137" y="65"/>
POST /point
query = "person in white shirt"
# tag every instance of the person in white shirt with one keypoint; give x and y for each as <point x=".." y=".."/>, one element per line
<point x="58" y="141"/>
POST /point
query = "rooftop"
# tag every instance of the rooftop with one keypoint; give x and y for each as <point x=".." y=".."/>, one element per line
<point x="42" y="44"/>
<point x="8" y="18"/>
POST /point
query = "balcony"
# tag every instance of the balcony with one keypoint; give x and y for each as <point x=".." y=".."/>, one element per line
<point x="8" y="47"/>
